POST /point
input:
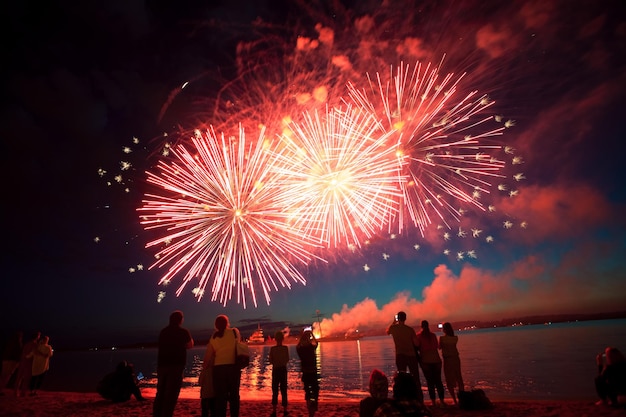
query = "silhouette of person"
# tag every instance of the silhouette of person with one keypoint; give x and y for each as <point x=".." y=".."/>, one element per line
<point x="306" y="348"/>
<point x="11" y="358"/>
<point x="405" y="341"/>
<point x="174" y="340"/>
<point x="120" y="385"/>
<point x="379" y="393"/>
<point x="221" y="352"/>
<point x="279" y="357"/>
<point x="405" y="401"/>
<point x="611" y="380"/>
<point x="431" y="362"/>
<point x="25" y="368"/>
<point x="451" y="360"/>
<point x="207" y="393"/>
<point x="41" y="363"/>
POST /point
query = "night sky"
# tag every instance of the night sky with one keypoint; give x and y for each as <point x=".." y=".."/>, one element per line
<point x="80" y="81"/>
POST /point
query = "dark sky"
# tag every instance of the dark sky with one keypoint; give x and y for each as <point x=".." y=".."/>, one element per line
<point x="80" y="80"/>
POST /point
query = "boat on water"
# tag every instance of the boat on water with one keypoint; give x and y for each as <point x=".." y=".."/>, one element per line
<point x="257" y="337"/>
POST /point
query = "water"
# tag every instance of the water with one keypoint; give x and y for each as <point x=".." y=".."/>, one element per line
<point x="555" y="361"/>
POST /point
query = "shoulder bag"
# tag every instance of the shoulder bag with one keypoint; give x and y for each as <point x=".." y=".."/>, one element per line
<point x="242" y="353"/>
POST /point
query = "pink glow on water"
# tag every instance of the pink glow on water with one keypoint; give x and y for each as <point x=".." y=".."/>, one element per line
<point x="552" y="361"/>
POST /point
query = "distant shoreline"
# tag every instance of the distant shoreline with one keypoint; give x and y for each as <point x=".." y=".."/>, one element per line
<point x="466" y="325"/>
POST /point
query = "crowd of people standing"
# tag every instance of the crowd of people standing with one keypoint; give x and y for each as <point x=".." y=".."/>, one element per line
<point x="25" y="364"/>
<point x="420" y="350"/>
<point x="220" y="376"/>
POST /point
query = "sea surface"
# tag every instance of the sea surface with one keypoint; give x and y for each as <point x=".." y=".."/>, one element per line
<point x="550" y="361"/>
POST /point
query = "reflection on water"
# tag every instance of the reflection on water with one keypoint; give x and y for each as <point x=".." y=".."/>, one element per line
<point x="344" y="369"/>
<point x="540" y="362"/>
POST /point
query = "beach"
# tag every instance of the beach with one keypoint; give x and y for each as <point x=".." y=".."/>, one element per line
<point x="69" y="404"/>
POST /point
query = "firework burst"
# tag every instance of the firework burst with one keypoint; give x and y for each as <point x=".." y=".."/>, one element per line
<point x="404" y="149"/>
<point x="346" y="175"/>
<point x="275" y="78"/>
<point x="221" y="207"/>
<point x="451" y="157"/>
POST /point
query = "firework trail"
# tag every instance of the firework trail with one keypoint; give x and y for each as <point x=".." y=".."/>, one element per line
<point x="223" y="217"/>
<point x="447" y="144"/>
<point x="346" y="174"/>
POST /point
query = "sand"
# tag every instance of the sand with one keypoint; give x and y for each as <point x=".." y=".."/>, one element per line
<point x="68" y="404"/>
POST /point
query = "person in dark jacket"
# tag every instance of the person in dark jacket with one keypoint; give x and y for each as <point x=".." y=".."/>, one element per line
<point x="174" y="340"/>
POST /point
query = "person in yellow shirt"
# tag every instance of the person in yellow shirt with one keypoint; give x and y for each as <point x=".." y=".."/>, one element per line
<point x="221" y="352"/>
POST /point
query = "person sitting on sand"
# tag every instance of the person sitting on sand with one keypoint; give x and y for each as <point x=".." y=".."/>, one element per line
<point x="118" y="386"/>
<point x="379" y="392"/>
<point x="611" y="380"/>
<point x="405" y="401"/>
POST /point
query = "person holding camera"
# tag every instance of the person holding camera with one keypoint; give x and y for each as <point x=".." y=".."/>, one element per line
<point x="611" y="380"/>
<point x="405" y="341"/>
<point x="306" y="348"/>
